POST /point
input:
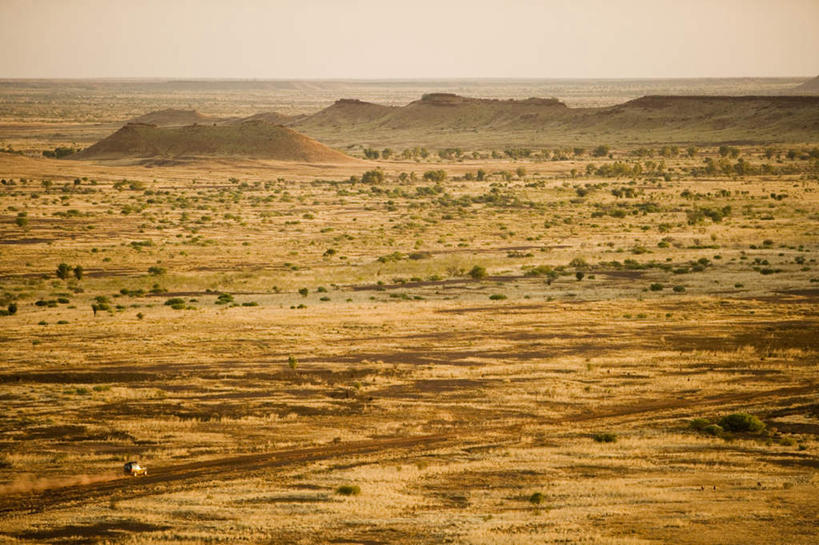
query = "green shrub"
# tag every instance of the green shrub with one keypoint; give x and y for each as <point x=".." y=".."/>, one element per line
<point x="303" y="292"/>
<point x="537" y="498"/>
<point x="477" y="272"/>
<point x="741" y="422"/>
<point x="63" y="270"/>
<point x="699" y="424"/>
<point x="435" y="175"/>
<point x="173" y="301"/>
<point x="656" y="287"/>
<point x="373" y="176"/>
<point x="224" y="299"/>
<point x="497" y="297"/>
<point x="713" y="429"/>
<point x="541" y="270"/>
<point x="600" y="151"/>
<point x="348" y="490"/>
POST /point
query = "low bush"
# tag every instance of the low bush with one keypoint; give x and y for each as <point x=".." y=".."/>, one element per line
<point x="713" y="429"/>
<point x="224" y="299"/>
<point x="477" y="272"/>
<point x="699" y="424"/>
<point x="348" y="490"/>
<point x="741" y="422"/>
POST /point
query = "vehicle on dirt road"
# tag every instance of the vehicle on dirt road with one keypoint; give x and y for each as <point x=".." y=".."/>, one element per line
<point x="134" y="469"/>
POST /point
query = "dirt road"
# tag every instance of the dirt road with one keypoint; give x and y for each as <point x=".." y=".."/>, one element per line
<point x="160" y="479"/>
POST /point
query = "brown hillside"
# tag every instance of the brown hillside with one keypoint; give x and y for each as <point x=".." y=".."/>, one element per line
<point x="448" y="119"/>
<point x="173" y="118"/>
<point x="270" y="117"/>
<point x="759" y="115"/>
<point x="255" y="139"/>
<point x="453" y="112"/>
<point x="345" y="112"/>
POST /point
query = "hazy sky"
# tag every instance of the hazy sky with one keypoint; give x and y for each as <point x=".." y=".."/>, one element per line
<point x="408" y="38"/>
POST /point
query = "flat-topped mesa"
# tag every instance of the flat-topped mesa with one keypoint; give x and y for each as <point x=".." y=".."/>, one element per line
<point x="451" y="99"/>
<point x="351" y="102"/>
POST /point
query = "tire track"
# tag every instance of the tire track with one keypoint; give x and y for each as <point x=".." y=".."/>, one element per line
<point x="235" y="467"/>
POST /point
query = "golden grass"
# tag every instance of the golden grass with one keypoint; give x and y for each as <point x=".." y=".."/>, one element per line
<point x="408" y="347"/>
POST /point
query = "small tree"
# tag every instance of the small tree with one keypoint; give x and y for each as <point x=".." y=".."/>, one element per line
<point x="435" y="175"/>
<point x="600" y="151"/>
<point x="78" y="272"/>
<point x="375" y="176"/>
<point x="12" y="308"/>
<point x="63" y="270"/>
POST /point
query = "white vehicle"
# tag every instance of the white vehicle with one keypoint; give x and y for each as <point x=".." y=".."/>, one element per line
<point x="134" y="469"/>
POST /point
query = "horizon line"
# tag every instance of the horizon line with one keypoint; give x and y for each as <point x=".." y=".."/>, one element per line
<point x="390" y="79"/>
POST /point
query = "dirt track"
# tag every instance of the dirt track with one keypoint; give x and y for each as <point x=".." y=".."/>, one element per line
<point x="240" y="466"/>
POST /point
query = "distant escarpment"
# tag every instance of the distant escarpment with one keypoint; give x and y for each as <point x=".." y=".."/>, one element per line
<point x="449" y="119"/>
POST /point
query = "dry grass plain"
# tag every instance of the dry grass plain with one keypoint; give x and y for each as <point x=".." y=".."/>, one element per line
<point x="450" y="400"/>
